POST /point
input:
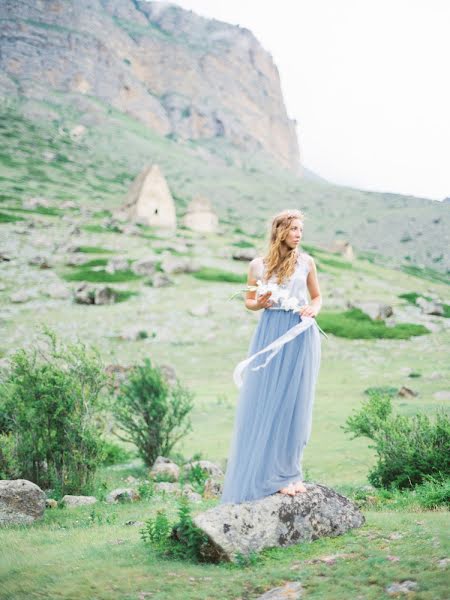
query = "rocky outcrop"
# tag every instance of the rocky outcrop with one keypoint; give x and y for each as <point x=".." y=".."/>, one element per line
<point x="180" y="74"/>
<point x="276" y="520"/>
<point x="21" y="502"/>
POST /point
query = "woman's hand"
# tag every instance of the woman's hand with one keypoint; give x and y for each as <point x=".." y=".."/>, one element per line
<point x="264" y="300"/>
<point x="308" y="311"/>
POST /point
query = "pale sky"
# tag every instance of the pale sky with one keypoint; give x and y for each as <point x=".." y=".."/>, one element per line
<point x="367" y="81"/>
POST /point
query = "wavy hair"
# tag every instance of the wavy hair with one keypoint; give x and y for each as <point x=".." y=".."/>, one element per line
<point x="283" y="266"/>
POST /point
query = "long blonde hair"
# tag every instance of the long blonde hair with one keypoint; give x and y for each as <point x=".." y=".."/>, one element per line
<point x="283" y="266"/>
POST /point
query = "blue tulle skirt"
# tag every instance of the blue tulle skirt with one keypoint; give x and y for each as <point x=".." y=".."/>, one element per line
<point x="274" y="411"/>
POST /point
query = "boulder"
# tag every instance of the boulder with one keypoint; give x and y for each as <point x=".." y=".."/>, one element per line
<point x="292" y="590"/>
<point x="206" y="466"/>
<point x="276" y="520"/>
<point x="70" y="501"/>
<point x="213" y="489"/>
<point x="201" y="310"/>
<point x="118" y="263"/>
<point x="176" y="490"/>
<point x="51" y="503"/>
<point x="89" y="294"/>
<point x="75" y="260"/>
<point x="246" y="254"/>
<point x="21" y="502"/>
<point x="122" y="495"/>
<point x="176" y="264"/>
<point x="406" y="392"/>
<point x="164" y="466"/>
<point x="430" y="307"/>
<point x="375" y="310"/>
<point x="20" y="296"/>
<point x="161" y="280"/>
<point x="145" y="266"/>
<point x="42" y="262"/>
<point x="36" y="202"/>
<point x="57" y="291"/>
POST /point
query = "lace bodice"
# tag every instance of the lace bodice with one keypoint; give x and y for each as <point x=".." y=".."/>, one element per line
<point x="296" y="284"/>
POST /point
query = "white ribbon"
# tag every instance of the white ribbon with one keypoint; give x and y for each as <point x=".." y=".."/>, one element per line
<point x="275" y="346"/>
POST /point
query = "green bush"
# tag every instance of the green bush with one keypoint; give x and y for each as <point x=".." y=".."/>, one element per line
<point x="409" y="449"/>
<point x="153" y="414"/>
<point x="180" y="540"/>
<point x="87" y="273"/>
<point x="51" y="398"/>
<point x="113" y="454"/>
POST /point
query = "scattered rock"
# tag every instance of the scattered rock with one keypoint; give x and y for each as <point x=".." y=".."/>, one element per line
<point x="276" y="521"/>
<point x="202" y="310"/>
<point x="176" y="490"/>
<point x="145" y="266"/>
<point x="443" y="395"/>
<point x="435" y="375"/>
<point x="21" y="502"/>
<point x="37" y="202"/>
<point x="40" y="261"/>
<point x="206" y="466"/>
<point x="292" y="590"/>
<point x="119" y="263"/>
<point x="406" y="392"/>
<point x="133" y="334"/>
<point x="75" y="260"/>
<point x="51" y="503"/>
<point x="122" y="495"/>
<point x="20" y="296"/>
<point x="246" y="254"/>
<point x="375" y="310"/>
<point x="176" y="264"/>
<point x="89" y="294"/>
<point x="135" y="523"/>
<point x="403" y="587"/>
<point x="213" y="489"/>
<point x="70" y="501"/>
<point x="4" y="257"/>
<point x="165" y="466"/>
<point x="161" y="280"/>
<point x="57" y="291"/>
<point x="430" y="307"/>
<point x="443" y="563"/>
<point x="328" y="560"/>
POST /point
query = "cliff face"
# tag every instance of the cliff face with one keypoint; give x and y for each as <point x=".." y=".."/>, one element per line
<point x="180" y="74"/>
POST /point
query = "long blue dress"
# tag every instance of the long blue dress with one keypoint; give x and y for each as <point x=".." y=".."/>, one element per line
<point x="274" y="411"/>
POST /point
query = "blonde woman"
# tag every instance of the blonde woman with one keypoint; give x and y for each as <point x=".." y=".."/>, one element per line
<point x="273" y="417"/>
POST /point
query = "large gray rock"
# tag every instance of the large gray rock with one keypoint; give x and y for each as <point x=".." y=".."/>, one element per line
<point x="276" y="520"/>
<point x="70" y="501"/>
<point x="166" y="467"/>
<point x="21" y="502"/>
<point x="205" y="465"/>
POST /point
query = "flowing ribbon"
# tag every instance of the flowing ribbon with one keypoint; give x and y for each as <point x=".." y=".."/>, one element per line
<point x="275" y="346"/>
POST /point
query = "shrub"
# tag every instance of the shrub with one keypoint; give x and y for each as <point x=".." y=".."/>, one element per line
<point x="181" y="540"/>
<point x="51" y="396"/>
<point x="114" y="454"/>
<point x="152" y="413"/>
<point x="409" y="449"/>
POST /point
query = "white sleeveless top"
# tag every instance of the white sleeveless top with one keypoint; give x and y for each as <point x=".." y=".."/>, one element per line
<point x="296" y="284"/>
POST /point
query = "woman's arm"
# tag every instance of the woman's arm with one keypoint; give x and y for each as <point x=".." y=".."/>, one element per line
<point x="312" y="309"/>
<point x="251" y="302"/>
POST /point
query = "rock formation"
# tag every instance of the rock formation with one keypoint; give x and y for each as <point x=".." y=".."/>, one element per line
<point x="180" y="74"/>
<point x="200" y="216"/>
<point x="21" y="502"/>
<point x="149" y="200"/>
<point x="276" y="520"/>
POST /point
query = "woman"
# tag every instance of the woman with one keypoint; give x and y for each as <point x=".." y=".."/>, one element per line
<point x="273" y="416"/>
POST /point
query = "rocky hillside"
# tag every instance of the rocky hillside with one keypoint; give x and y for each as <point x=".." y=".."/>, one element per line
<point x="183" y="76"/>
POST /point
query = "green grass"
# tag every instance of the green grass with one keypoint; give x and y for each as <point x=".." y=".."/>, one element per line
<point x="96" y="262"/>
<point x="93" y="228"/>
<point x="7" y="218"/>
<point x="100" y="276"/>
<point x="211" y="274"/>
<point x="243" y="244"/>
<point x="49" y="211"/>
<point x="427" y="273"/>
<point x="123" y="295"/>
<point x="95" y="250"/>
<point x="355" y="324"/>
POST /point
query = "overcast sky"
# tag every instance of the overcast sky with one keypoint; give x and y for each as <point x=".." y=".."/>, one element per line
<point x="366" y="80"/>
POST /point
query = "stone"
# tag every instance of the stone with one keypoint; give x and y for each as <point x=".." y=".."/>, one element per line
<point x="375" y="310"/>
<point x="134" y="333"/>
<point x="176" y="264"/>
<point x="401" y="587"/>
<point x="118" y="263"/>
<point x="276" y="521"/>
<point x="36" y="202"/>
<point x="176" y="490"/>
<point x="165" y="467"/>
<point x="20" y="296"/>
<point x="245" y="254"/>
<point x="70" y="501"/>
<point x="21" y="502"/>
<point x="149" y="200"/>
<point x="200" y="216"/>
<point x="161" y="280"/>
<point x="57" y="291"/>
<point x="213" y="489"/>
<point x="443" y="395"/>
<point x="430" y="307"/>
<point x="292" y="590"/>
<point x="206" y="466"/>
<point x="145" y="266"/>
<point x="51" y="503"/>
<point x="122" y="495"/>
<point x="42" y="262"/>
<point x="75" y="260"/>
<point x="201" y="310"/>
<point x="406" y="392"/>
<point x="89" y="294"/>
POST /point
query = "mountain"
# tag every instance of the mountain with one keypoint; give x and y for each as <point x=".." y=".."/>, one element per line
<point x="180" y="74"/>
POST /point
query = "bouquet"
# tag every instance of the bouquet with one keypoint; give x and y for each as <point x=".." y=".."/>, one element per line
<point x="279" y="294"/>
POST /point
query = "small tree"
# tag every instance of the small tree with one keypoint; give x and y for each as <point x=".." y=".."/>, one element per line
<point x="49" y="399"/>
<point x="152" y="413"/>
<point x="409" y="449"/>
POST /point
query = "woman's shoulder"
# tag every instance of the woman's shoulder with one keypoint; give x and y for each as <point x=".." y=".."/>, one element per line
<point x="306" y="259"/>
<point x="256" y="266"/>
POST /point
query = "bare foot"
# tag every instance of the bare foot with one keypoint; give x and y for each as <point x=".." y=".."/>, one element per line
<point x="289" y="490"/>
<point x="299" y="487"/>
